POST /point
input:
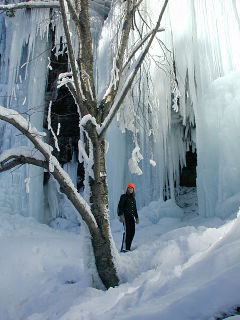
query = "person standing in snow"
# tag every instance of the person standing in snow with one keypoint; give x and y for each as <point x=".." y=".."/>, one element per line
<point x="127" y="212"/>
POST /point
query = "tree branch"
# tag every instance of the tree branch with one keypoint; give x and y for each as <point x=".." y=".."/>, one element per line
<point x="72" y="60"/>
<point x="139" y="45"/>
<point x="74" y="17"/>
<point x="44" y="4"/>
<point x="30" y="5"/>
<point x="112" y="90"/>
<point x="77" y="6"/>
<point x="131" y="77"/>
<point x="18" y="160"/>
<point x="138" y="4"/>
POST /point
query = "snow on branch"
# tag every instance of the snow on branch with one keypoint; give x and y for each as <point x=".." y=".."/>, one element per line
<point x="95" y="5"/>
<point x="30" y="4"/>
<point x="64" y="79"/>
<point x="20" y="160"/>
<point x="21" y="155"/>
<point x="26" y="152"/>
<point x="87" y="118"/>
<point x="83" y="156"/>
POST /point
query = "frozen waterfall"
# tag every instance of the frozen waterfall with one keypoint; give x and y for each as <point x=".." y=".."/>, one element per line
<point x="186" y="97"/>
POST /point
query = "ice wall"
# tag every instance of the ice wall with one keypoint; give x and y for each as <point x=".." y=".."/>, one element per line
<point x="202" y="39"/>
<point x="218" y="147"/>
<point x="173" y="96"/>
<point x="218" y="108"/>
<point x="25" y="50"/>
<point x="23" y="72"/>
<point x="155" y="140"/>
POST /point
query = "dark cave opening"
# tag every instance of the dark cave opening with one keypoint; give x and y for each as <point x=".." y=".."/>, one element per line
<point x="64" y="116"/>
<point x="188" y="173"/>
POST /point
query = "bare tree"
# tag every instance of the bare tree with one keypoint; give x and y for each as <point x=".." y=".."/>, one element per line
<point x="95" y="120"/>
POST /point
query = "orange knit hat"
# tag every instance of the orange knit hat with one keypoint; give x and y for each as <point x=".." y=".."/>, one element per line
<point x="131" y="185"/>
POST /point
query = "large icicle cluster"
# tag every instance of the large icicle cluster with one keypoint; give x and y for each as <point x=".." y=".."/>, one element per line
<point x="151" y="118"/>
<point x="171" y="108"/>
<point x="23" y="69"/>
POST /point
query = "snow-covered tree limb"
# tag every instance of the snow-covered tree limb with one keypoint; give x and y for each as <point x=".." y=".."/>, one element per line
<point x="13" y="117"/>
<point x="30" y="5"/>
<point x="16" y="160"/>
<point x="26" y="152"/>
<point x="52" y="4"/>
<point x="64" y="79"/>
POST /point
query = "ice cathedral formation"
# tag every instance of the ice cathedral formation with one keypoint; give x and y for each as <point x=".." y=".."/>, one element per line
<point x="179" y="125"/>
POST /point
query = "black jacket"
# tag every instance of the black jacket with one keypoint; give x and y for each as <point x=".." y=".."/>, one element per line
<point x="127" y="206"/>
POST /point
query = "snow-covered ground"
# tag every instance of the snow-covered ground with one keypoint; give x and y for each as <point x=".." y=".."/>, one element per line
<point x="181" y="268"/>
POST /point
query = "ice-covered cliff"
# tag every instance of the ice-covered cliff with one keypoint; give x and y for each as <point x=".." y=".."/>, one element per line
<point x="185" y="99"/>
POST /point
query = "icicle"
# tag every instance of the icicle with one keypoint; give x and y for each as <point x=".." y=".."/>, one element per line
<point x="152" y="162"/>
<point x="27" y="182"/>
<point x="58" y="129"/>
<point x="50" y="126"/>
<point x="135" y="159"/>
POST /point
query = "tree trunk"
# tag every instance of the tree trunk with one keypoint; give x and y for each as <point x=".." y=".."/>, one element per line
<point x="102" y="248"/>
<point x="101" y="238"/>
<point x="103" y="245"/>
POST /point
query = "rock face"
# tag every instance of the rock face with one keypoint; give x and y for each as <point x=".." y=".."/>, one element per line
<point x="64" y="116"/>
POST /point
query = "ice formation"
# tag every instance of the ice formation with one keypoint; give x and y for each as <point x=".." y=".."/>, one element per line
<point x="187" y="97"/>
<point x="204" y="45"/>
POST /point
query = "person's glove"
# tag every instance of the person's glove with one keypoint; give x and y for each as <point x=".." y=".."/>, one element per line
<point x="137" y="220"/>
<point x="121" y="218"/>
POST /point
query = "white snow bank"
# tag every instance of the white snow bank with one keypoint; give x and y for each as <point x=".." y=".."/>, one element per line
<point x="160" y="209"/>
<point x="38" y="266"/>
<point x="178" y="270"/>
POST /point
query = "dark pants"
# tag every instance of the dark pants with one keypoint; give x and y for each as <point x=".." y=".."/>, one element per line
<point x="128" y="235"/>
